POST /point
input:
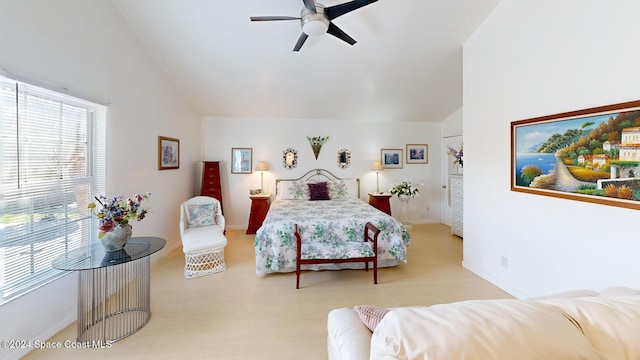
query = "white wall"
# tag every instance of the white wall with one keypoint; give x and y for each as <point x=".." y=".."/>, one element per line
<point x="452" y="125"/>
<point x="534" y="58"/>
<point x="270" y="137"/>
<point x="87" y="48"/>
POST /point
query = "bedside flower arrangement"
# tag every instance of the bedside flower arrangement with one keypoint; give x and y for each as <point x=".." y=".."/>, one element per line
<point x="405" y="188"/>
<point x="114" y="217"/>
<point x="457" y="154"/>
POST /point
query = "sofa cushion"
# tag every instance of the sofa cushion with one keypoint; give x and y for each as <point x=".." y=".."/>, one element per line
<point x="347" y="337"/>
<point x="346" y="250"/>
<point x="480" y="329"/>
<point x="619" y="291"/>
<point x="612" y="324"/>
<point x="203" y="238"/>
<point x="371" y="315"/>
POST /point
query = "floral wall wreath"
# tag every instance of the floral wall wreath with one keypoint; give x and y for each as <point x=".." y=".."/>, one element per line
<point x="316" y="143"/>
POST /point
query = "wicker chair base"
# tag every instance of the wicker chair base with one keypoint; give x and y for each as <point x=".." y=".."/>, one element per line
<point x="204" y="262"/>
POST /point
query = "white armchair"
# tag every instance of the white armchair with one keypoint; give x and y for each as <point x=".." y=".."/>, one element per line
<point x="202" y="235"/>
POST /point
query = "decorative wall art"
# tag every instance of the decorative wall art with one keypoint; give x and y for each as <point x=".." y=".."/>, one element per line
<point x="590" y="155"/>
<point x="344" y="158"/>
<point x="316" y="143"/>
<point x="168" y="153"/>
<point x="241" y="160"/>
<point x="290" y="158"/>
<point x="417" y="154"/>
<point x="391" y="158"/>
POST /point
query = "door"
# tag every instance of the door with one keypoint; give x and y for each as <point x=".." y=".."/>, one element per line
<point x="448" y="168"/>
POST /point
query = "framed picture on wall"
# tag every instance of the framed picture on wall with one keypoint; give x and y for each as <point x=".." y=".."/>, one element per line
<point x="391" y="158"/>
<point x="590" y="155"/>
<point x="241" y="160"/>
<point x="417" y="154"/>
<point x="168" y="153"/>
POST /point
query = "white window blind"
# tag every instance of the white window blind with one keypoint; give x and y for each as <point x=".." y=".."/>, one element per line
<point x="52" y="156"/>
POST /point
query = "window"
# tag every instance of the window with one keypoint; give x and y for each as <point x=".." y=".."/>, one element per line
<point x="51" y="164"/>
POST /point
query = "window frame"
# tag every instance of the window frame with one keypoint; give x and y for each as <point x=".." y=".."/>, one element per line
<point x="41" y="209"/>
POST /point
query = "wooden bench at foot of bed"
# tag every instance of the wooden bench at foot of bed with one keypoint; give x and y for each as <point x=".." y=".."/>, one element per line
<point x="347" y="252"/>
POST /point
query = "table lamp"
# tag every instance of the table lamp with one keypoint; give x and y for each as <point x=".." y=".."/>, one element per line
<point x="377" y="166"/>
<point x="262" y="167"/>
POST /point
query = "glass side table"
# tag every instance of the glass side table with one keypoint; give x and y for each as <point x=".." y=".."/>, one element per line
<point x="113" y="288"/>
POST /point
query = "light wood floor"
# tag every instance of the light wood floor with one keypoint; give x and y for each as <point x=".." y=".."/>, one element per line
<point x="236" y="314"/>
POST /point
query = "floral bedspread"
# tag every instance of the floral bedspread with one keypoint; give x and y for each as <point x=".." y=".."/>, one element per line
<point x="325" y="222"/>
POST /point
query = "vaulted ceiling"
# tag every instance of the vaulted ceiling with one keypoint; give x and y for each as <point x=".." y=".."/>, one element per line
<point x="405" y="66"/>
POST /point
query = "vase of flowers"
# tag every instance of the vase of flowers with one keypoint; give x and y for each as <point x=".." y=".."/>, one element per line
<point x="114" y="217"/>
<point x="405" y="191"/>
<point x="457" y="156"/>
<point x="405" y="188"/>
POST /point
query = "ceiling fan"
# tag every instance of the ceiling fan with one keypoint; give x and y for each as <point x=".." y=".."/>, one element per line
<point x="316" y="19"/>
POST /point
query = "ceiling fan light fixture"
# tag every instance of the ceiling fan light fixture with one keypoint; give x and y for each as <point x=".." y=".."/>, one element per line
<point x="315" y="20"/>
<point x="314" y="27"/>
<point x="314" y="23"/>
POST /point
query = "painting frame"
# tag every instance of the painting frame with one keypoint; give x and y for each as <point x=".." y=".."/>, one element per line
<point x="417" y="154"/>
<point x="168" y="153"/>
<point x="391" y="158"/>
<point x="241" y="160"/>
<point x="583" y="155"/>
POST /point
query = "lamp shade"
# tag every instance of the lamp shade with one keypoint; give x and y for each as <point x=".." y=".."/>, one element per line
<point x="377" y="166"/>
<point x="262" y="166"/>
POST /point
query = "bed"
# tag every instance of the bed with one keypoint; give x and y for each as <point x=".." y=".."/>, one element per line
<point x="341" y="217"/>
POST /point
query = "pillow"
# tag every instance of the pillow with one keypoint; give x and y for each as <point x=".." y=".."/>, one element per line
<point x="343" y="189"/>
<point x="338" y="189"/>
<point x="318" y="191"/>
<point x="294" y="190"/>
<point x="200" y="215"/>
<point x="371" y="315"/>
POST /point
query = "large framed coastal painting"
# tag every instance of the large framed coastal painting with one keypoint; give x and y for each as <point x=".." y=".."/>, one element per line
<point x="590" y="155"/>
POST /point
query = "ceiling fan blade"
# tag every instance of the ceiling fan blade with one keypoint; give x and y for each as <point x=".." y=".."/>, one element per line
<point x="273" y="18"/>
<point x="335" y="31"/>
<point x="311" y="5"/>
<point x="303" y="37"/>
<point x="333" y="12"/>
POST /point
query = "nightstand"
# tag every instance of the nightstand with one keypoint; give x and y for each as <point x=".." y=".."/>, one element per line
<point x="380" y="202"/>
<point x="259" y="207"/>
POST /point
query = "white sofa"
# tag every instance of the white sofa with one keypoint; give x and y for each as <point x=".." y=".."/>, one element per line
<point x="581" y="324"/>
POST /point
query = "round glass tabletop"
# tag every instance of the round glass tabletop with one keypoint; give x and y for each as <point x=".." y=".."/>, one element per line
<point x="94" y="256"/>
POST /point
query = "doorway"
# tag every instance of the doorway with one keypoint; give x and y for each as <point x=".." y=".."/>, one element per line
<point x="448" y="168"/>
